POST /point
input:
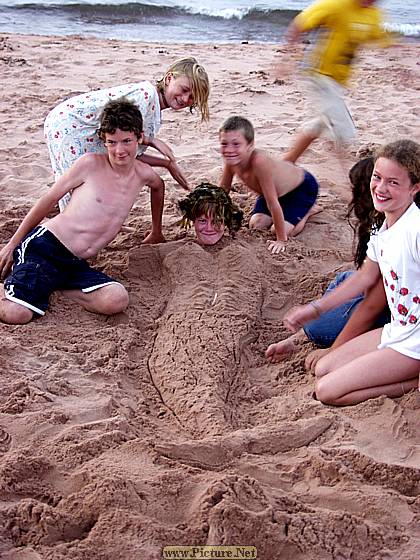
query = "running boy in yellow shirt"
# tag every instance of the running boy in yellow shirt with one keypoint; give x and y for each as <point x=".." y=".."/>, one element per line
<point x="343" y="25"/>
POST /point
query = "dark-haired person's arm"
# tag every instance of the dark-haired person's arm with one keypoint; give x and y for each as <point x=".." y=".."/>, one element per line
<point x="362" y="320"/>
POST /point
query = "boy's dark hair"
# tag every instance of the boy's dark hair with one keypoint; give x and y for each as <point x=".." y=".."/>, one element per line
<point x="239" y="123"/>
<point x="123" y="114"/>
<point x="210" y="200"/>
<point x="361" y="207"/>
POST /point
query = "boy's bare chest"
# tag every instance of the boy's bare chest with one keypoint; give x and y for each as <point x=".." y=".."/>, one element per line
<point x="249" y="178"/>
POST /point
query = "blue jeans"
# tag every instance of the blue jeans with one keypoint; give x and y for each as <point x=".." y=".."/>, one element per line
<point x="324" y="330"/>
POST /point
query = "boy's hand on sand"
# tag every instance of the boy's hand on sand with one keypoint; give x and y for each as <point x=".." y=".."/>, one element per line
<point x="177" y="174"/>
<point x="276" y="247"/>
<point x="313" y="358"/>
<point x="299" y="316"/>
<point x="280" y="350"/>
<point x="6" y="260"/>
<point x="153" y="238"/>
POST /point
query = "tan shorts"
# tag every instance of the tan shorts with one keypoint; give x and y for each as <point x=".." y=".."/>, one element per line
<point x="333" y="119"/>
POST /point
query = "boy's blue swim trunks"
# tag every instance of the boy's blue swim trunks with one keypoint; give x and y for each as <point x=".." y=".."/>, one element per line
<point x="296" y="203"/>
<point x="42" y="265"/>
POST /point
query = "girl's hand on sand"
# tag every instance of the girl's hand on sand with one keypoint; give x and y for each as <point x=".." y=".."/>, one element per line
<point x="177" y="174"/>
<point x="6" y="261"/>
<point x="313" y="358"/>
<point x="299" y="316"/>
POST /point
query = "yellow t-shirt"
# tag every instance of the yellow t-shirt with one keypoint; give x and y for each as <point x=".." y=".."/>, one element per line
<point x="343" y="26"/>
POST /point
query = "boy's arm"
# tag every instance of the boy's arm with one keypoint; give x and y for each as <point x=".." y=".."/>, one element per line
<point x="72" y="179"/>
<point x="360" y="282"/>
<point x="265" y="179"/>
<point x="157" y="195"/>
<point x="226" y="180"/>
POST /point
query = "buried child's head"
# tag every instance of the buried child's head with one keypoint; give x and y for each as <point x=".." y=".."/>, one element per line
<point x="210" y="209"/>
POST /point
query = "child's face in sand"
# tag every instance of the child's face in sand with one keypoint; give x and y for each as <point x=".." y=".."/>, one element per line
<point x="121" y="146"/>
<point x="178" y="92"/>
<point x="206" y="231"/>
<point x="392" y="189"/>
<point x="234" y="147"/>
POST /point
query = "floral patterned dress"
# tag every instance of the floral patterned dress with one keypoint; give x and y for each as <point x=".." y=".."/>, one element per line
<point x="70" y="129"/>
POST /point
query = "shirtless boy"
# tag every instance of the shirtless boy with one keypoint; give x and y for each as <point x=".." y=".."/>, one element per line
<point x="287" y="193"/>
<point x="51" y="256"/>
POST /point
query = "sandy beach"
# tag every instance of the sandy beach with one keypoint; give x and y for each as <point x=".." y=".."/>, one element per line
<point x="165" y="425"/>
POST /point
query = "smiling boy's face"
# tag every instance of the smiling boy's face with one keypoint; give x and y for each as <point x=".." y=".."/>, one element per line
<point x="121" y="146"/>
<point x="234" y="147"/>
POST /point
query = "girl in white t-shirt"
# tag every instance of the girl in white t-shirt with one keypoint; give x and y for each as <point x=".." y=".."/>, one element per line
<point x="70" y="129"/>
<point x="384" y="361"/>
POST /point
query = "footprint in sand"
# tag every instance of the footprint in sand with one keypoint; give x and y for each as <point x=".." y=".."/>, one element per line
<point x="5" y="440"/>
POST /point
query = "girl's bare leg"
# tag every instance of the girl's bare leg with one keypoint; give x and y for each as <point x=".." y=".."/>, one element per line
<point x="354" y="348"/>
<point x="368" y="375"/>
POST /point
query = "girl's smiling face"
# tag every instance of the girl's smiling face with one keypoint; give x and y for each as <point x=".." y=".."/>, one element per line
<point x="178" y="92"/>
<point x="206" y="231"/>
<point x="392" y="189"/>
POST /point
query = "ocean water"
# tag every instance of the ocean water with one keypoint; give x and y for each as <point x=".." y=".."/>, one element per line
<point x="217" y="21"/>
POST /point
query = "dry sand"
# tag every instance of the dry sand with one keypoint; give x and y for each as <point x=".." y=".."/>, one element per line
<point x="165" y="425"/>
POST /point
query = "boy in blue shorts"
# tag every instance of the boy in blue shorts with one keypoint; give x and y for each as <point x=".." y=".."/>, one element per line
<point x="287" y="193"/>
<point x="51" y="255"/>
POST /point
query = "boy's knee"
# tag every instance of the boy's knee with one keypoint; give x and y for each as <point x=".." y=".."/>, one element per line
<point x="15" y="314"/>
<point x="260" y="221"/>
<point x="115" y="301"/>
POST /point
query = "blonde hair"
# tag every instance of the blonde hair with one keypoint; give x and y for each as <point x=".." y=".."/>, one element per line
<point x="200" y="84"/>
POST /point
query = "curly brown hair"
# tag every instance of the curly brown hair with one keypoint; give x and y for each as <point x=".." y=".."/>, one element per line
<point x="123" y="114"/>
<point x="210" y="200"/>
